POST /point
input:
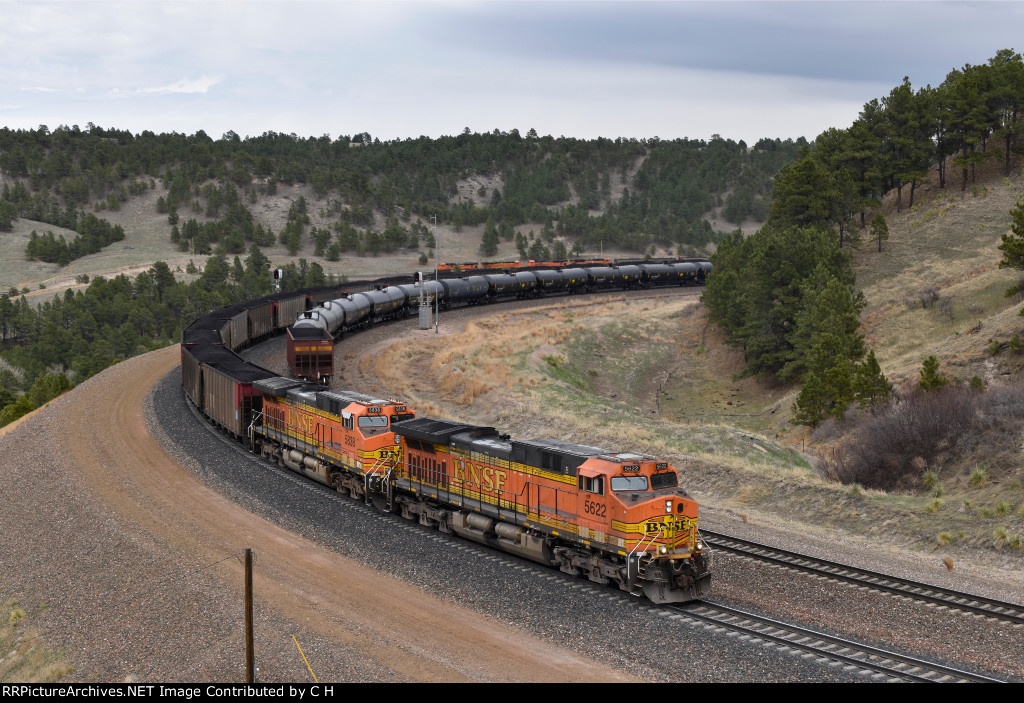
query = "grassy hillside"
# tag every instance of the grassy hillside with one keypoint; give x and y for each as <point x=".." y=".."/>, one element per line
<point x="658" y="377"/>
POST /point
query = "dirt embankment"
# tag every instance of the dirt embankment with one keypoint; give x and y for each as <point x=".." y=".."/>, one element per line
<point x="95" y="525"/>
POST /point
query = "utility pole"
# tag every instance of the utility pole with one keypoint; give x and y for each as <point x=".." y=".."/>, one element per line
<point x="437" y="282"/>
<point x="250" y="665"/>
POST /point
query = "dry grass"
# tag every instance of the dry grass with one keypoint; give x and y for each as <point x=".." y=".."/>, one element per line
<point x="948" y="563"/>
<point x="23" y="657"/>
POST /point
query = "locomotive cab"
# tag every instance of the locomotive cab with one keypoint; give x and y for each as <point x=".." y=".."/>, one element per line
<point x="637" y="501"/>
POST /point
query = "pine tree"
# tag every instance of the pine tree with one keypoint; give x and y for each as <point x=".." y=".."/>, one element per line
<point x="879" y="229"/>
<point x="1013" y="245"/>
<point x="828" y="384"/>
<point x="931" y="377"/>
<point x="870" y="386"/>
<point x="490" y="241"/>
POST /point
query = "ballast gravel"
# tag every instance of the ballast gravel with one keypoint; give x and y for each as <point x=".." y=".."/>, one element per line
<point x="124" y="604"/>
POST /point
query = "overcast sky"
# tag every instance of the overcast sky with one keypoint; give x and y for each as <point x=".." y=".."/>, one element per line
<point x="744" y="70"/>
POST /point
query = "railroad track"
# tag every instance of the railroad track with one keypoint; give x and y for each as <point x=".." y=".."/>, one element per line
<point x="795" y="640"/>
<point x="829" y="649"/>
<point x="884" y="583"/>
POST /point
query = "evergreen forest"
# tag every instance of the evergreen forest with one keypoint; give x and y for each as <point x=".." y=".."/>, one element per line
<point x="786" y="295"/>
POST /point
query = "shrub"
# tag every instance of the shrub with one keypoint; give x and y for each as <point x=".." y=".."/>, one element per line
<point x="891" y="445"/>
<point x="979" y="477"/>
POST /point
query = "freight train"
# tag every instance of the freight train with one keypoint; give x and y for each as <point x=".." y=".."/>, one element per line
<point x="615" y="517"/>
<point x="310" y="342"/>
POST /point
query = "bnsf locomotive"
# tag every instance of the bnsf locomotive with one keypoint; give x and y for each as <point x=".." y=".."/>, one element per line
<point x="613" y="516"/>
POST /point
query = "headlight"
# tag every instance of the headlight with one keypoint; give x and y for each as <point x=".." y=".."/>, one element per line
<point x="662" y="549"/>
<point x="700" y="546"/>
<point x="668" y="507"/>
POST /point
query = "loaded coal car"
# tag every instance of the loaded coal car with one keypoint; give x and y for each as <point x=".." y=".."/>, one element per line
<point x="204" y="331"/>
<point x="287" y="309"/>
<point x="614" y="517"/>
<point x="220" y="384"/>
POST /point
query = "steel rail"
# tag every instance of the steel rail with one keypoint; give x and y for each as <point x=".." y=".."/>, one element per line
<point x="852" y="654"/>
<point x="957" y="600"/>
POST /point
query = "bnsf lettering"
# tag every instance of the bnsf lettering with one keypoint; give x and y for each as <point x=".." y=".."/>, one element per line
<point x="486" y="477"/>
<point x="303" y="422"/>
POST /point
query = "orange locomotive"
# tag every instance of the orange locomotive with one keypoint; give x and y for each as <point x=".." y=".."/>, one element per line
<point x="613" y="517"/>
<point x="341" y="438"/>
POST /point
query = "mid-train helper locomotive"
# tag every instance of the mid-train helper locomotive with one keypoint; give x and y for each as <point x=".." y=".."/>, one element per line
<point x="613" y="516"/>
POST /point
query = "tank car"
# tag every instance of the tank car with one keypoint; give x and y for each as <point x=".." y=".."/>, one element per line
<point x="470" y="290"/>
<point x="385" y="303"/>
<point x="654" y="275"/>
<point x="429" y="290"/>
<point x="602" y="277"/>
<point x="510" y="285"/>
<point x="703" y="269"/>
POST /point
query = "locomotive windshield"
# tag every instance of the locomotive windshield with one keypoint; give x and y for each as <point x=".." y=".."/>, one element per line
<point x="371" y="421"/>
<point x="664" y="480"/>
<point x="629" y="483"/>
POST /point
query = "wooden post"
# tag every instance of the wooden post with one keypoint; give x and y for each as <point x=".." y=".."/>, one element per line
<point x="250" y="670"/>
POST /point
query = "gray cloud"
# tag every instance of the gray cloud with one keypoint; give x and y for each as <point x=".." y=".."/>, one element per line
<point x="399" y="69"/>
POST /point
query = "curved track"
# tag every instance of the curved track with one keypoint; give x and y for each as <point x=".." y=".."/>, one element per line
<point x="882" y="583"/>
<point x="854" y="656"/>
<point x="406" y="633"/>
